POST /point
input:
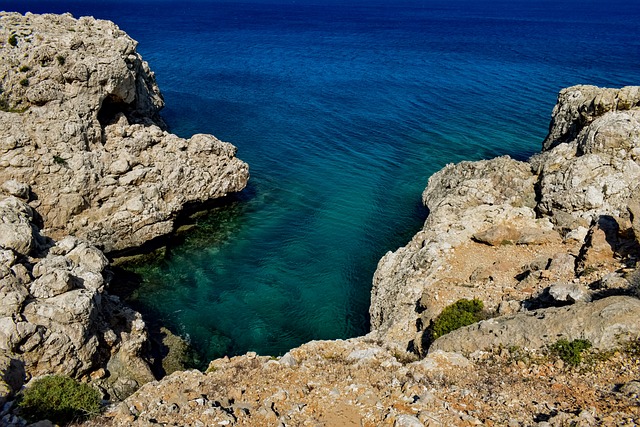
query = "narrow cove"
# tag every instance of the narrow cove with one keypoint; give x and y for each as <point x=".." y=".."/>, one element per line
<point x="342" y="123"/>
<point x="342" y="112"/>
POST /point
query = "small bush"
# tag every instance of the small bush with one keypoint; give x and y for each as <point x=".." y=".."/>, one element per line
<point x="61" y="59"/>
<point x="59" y="399"/>
<point x="570" y="352"/>
<point x="13" y="40"/>
<point x="24" y="68"/>
<point x="24" y="82"/>
<point x="461" y="313"/>
<point x="59" y="160"/>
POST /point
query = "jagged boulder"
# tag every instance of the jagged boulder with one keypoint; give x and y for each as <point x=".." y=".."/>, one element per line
<point x="578" y="106"/>
<point x="55" y="316"/>
<point x="81" y="137"/>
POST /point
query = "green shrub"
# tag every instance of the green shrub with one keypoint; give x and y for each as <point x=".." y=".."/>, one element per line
<point x="61" y="59"/>
<point x="24" y="68"/>
<point x="13" y="40"/>
<point x="59" y="160"/>
<point x="570" y="352"/>
<point x="59" y="399"/>
<point x="24" y="82"/>
<point x="461" y="313"/>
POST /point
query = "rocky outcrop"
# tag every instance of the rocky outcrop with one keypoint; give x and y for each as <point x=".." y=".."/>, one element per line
<point x="55" y="316"/>
<point x="361" y="383"/>
<point x="605" y="323"/>
<point x="81" y="139"/>
<point x="579" y="106"/>
<point x="520" y="234"/>
<point x="86" y="165"/>
<point x="83" y="153"/>
<point x="332" y="383"/>
<point x="494" y="232"/>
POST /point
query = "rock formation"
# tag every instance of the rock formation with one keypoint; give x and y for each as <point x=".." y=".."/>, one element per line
<point x="55" y="316"/>
<point x="547" y="245"/>
<point x="86" y="165"/>
<point x="514" y="233"/>
<point x="550" y="246"/>
<point x="82" y="141"/>
<point x="604" y="323"/>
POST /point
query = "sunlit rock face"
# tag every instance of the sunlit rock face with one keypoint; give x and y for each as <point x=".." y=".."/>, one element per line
<point x="81" y="134"/>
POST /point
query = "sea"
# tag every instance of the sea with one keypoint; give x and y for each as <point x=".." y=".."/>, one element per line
<point x="343" y="110"/>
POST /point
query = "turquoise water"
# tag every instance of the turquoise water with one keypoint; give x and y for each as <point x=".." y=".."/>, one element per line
<point x="343" y="112"/>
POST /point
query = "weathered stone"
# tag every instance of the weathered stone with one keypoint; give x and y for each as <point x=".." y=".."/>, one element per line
<point x="498" y="235"/>
<point x="598" y="248"/>
<point x="288" y="360"/>
<point x="508" y="307"/>
<point x="12" y="295"/>
<point x="578" y="106"/>
<point x="93" y="119"/>
<point x="128" y="372"/>
<point x="53" y="311"/>
<point x="52" y="283"/>
<point x="569" y="292"/>
<point x="632" y="388"/>
<point x="17" y="189"/>
<point x="442" y="360"/>
<point x="604" y="323"/>
<point x="15" y="226"/>
<point x="405" y="420"/>
<point x="563" y="265"/>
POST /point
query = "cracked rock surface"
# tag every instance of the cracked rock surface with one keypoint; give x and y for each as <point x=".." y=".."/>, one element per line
<point x="81" y="137"/>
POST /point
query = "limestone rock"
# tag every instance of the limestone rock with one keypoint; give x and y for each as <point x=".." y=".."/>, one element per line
<point x="54" y="314"/>
<point x="503" y="234"/>
<point x="405" y="420"/>
<point x="578" y="106"/>
<point x="599" y="247"/>
<point x="632" y="388"/>
<point x="569" y="292"/>
<point x="498" y="235"/>
<point x="86" y="135"/>
<point x="463" y="200"/>
<point x="604" y="322"/>
<point x="17" y="189"/>
<point x="127" y="373"/>
<point x="570" y="205"/>
<point x="15" y="226"/>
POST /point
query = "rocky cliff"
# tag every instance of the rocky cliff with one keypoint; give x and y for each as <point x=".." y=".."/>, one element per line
<point x="86" y="166"/>
<point x="509" y="232"/>
<point x="549" y="245"/>
<point x="55" y="316"/>
<point x="81" y="139"/>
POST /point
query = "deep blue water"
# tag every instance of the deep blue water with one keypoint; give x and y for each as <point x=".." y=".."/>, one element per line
<point x="343" y="111"/>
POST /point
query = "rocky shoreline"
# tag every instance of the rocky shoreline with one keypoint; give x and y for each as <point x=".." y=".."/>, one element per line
<point x="550" y="246"/>
<point x="84" y="153"/>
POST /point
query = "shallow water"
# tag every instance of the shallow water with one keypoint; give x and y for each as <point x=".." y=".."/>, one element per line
<point x="342" y="112"/>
